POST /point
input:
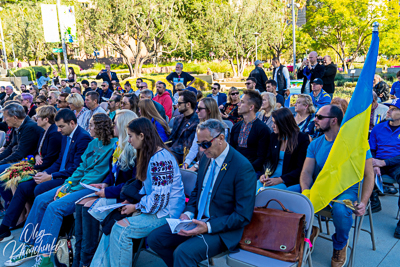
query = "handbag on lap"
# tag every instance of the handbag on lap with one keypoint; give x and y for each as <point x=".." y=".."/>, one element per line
<point x="274" y="233"/>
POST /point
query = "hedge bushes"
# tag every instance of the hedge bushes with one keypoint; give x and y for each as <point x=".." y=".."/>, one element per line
<point x="30" y="72"/>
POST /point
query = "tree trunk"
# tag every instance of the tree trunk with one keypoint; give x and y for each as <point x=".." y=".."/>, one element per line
<point x="233" y="67"/>
<point x="59" y="62"/>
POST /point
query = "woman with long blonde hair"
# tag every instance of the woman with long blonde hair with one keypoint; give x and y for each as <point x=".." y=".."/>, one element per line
<point x="149" y="111"/>
<point x="267" y="107"/>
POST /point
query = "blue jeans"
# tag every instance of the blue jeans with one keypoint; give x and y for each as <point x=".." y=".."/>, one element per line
<point x="43" y="225"/>
<point x="6" y="194"/>
<point x="342" y="218"/>
<point x="119" y="243"/>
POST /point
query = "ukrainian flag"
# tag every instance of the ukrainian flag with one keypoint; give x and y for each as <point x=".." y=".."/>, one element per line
<point x="346" y="161"/>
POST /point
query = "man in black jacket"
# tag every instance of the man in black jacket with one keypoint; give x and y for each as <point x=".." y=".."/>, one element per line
<point x="309" y="70"/>
<point x="259" y="74"/>
<point x="107" y="75"/>
<point x="281" y="75"/>
<point x="329" y="76"/>
<point x="23" y="143"/>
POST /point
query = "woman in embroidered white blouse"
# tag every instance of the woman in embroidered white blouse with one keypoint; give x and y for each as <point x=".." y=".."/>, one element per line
<point x="163" y="196"/>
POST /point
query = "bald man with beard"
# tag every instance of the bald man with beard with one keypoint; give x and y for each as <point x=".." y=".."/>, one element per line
<point x="310" y="70"/>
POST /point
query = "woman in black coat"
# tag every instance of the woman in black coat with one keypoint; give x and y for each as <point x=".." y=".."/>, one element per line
<point x="287" y="152"/>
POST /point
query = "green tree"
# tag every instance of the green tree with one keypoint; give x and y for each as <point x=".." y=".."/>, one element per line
<point x="344" y="26"/>
<point x="228" y="29"/>
<point x="136" y="29"/>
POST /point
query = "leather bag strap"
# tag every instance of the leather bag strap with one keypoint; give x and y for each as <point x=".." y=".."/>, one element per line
<point x="280" y="203"/>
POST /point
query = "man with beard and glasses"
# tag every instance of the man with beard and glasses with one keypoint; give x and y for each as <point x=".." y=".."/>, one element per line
<point x="328" y="121"/>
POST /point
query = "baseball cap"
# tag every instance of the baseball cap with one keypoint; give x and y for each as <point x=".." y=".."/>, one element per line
<point x="258" y="62"/>
<point x="395" y="102"/>
<point x="318" y="81"/>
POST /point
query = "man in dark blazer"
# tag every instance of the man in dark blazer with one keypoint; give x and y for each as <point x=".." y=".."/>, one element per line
<point x="74" y="143"/>
<point x="224" y="195"/>
<point x="309" y="70"/>
<point x="107" y="75"/>
<point x="48" y="149"/>
<point x="219" y="97"/>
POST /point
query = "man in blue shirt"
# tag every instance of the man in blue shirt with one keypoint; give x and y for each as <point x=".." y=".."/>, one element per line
<point x="395" y="91"/>
<point x="319" y="97"/>
<point x="328" y="121"/>
<point x="385" y="147"/>
<point x="220" y="98"/>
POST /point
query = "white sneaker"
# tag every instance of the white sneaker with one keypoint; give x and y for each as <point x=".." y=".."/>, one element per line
<point x="26" y="254"/>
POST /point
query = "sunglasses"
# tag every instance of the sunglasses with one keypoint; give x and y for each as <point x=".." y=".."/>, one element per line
<point x="235" y="93"/>
<point x="59" y="101"/>
<point x="207" y="144"/>
<point x="140" y="87"/>
<point x="247" y="83"/>
<point x="38" y="103"/>
<point x="214" y="88"/>
<point x="200" y="109"/>
<point x="50" y="97"/>
<point x="321" y="117"/>
<point x="179" y="103"/>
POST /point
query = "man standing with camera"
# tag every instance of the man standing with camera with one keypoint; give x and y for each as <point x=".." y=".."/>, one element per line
<point x="107" y="75"/>
<point x="329" y="75"/>
<point x="310" y="70"/>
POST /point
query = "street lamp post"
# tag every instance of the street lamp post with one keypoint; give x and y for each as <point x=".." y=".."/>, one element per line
<point x="12" y="45"/>
<point x="256" y="34"/>
<point x="191" y="49"/>
<point x="294" y="34"/>
<point x="63" y="39"/>
<point x="2" y="40"/>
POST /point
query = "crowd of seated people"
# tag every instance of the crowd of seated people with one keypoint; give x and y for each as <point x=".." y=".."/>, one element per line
<point x="131" y="146"/>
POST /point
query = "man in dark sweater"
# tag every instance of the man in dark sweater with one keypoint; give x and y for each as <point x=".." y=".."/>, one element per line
<point x="259" y="74"/>
<point x="23" y="143"/>
<point x="309" y="70"/>
<point x="329" y="76"/>
<point x="251" y="136"/>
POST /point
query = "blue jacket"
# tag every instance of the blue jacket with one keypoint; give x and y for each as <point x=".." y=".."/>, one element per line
<point x="321" y="100"/>
<point x="108" y="94"/>
<point x="221" y="98"/>
<point x="105" y="77"/>
<point x="115" y="185"/>
<point x="51" y="147"/>
<point x="79" y="143"/>
<point x="232" y="197"/>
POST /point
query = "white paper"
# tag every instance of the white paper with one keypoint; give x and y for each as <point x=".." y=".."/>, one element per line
<point x="111" y="207"/>
<point x="82" y="198"/>
<point x="89" y="187"/>
<point x="176" y="225"/>
<point x="379" y="182"/>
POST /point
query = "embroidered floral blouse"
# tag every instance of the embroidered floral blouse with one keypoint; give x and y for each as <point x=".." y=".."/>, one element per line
<point x="163" y="188"/>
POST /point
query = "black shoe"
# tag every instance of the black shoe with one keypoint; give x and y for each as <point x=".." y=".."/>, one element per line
<point x="6" y="236"/>
<point x="375" y="202"/>
<point x="397" y="231"/>
<point x="391" y="190"/>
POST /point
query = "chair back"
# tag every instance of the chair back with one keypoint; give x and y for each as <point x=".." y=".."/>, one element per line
<point x="229" y="124"/>
<point x="2" y="138"/>
<point x="292" y="201"/>
<point x="189" y="179"/>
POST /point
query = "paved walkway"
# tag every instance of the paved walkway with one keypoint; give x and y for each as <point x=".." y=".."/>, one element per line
<point x="387" y="247"/>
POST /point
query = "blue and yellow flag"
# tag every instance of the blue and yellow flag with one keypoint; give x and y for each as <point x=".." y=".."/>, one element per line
<point x="346" y="161"/>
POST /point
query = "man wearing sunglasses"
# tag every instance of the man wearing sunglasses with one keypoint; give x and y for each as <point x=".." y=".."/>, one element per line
<point x="62" y="102"/>
<point x="219" y="97"/>
<point x="105" y="92"/>
<point x="319" y="97"/>
<point x="223" y="194"/>
<point x="328" y="121"/>
<point x="251" y="84"/>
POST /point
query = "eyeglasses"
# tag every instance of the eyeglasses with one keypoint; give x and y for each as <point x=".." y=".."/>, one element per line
<point x="38" y="103"/>
<point x="179" y="103"/>
<point x="235" y="93"/>
<point x="214" y="88"/>
<point x="247" y="83"/>
<point x="59" y="101"/>
<point x="207" y="144"/>
<point x="200" y="109"/>
<point x="103" y="85"/>
<point x="321" y="117"/>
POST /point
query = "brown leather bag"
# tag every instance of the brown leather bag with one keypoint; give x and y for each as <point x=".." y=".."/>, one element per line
<point x="274" y="233"/>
